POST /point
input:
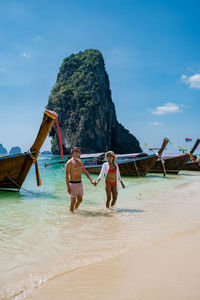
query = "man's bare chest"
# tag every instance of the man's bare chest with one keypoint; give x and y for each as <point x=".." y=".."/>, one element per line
<point x="76" y="166"/>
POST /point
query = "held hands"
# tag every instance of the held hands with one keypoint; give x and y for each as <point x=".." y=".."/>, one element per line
<point x="93" y="182"/>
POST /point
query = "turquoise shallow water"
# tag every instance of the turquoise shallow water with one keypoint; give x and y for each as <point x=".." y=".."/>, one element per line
<point x="40" y="239"/>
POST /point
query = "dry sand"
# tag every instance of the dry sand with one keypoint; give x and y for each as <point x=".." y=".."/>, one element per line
<point x="168" y="269"/>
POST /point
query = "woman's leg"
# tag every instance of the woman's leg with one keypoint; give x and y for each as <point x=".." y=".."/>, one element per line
<point x="108" y="194"/>
<point x="114" y="195"/>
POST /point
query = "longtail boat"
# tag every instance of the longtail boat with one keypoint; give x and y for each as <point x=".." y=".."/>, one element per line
<point x="173" y="164"/>
<point x="138" y="166"/>
<point x="14" y="168"/>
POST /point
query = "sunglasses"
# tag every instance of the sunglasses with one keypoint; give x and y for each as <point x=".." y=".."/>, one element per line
<point x="109" y="156"/>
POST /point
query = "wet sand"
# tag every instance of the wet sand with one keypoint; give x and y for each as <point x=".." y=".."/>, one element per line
<point x="166" y="269"/>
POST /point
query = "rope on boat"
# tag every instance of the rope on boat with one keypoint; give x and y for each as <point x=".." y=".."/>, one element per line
<point x="58" y="131"/>
<point x="136" y="168"/>
<point x="37" y="172"/>
<point x="193" y="159"/>
<point x="17" y="185"/>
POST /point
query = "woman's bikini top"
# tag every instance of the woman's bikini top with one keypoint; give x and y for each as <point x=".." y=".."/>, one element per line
<point x="112" y="170"/>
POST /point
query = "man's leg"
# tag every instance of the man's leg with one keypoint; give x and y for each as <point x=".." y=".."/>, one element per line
<point x="79" y="194"/>
<point x="114" y="195"/>
<point x="73" y="201"/>
<point x="108" y="194"/>
<point x="79" y="200"/>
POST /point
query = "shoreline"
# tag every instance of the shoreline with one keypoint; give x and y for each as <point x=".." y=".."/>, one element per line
<point x="168" y="269"/>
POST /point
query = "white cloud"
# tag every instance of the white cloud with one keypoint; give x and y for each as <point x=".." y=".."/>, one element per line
<point x="38" y="38"/>
<point x="26" y="54"/>
<point x="193" y="81"/>
<point x="168" y="108"/>
<point x="155" y="123"/>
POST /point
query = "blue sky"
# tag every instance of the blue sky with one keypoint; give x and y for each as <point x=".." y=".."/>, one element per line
<point x="151" y="51"/>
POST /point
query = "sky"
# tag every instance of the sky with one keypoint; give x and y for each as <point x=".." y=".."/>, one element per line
<point x="152" y="56"/>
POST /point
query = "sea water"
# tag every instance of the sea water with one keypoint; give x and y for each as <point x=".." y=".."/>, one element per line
<point x="40" y="239"/>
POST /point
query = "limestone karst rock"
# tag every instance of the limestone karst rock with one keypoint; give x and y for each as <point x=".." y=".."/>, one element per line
<point x="82" y="98"/>
<point x="15" y="150"/>
<point x="3" y="151"/>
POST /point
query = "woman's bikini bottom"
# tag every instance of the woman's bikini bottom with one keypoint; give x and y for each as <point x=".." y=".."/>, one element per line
<point x="111" y="183"/>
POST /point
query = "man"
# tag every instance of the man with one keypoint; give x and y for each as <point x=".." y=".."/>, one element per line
<point x="74" y="168"/>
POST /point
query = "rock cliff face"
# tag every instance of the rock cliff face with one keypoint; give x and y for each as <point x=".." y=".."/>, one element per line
<point x="87" y="117"/>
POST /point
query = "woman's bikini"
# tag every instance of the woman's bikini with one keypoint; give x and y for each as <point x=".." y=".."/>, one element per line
<point x="112" y="171"/>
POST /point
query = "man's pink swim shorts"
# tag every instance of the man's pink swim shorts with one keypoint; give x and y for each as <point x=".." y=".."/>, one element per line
<point x="76" y="188"/>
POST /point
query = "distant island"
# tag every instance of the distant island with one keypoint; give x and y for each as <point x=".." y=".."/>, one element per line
<point x="17" y="150"/>
<point x="82" y="98"/>
<point x="3" y="151"/>
<point x="13" y="150"/>
<point x="46" y="153"/>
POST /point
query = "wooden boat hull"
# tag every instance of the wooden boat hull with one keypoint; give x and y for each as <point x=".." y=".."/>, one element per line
<point x="12" y="174"/>
<point x="14" y="168"/>
<point x="172" y="164"/>
<point x="191" y="166"/>
<point x="135" y="167"/>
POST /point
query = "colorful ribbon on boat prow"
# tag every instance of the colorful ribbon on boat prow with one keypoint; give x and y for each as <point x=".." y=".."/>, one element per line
<point x="193" y="159"/>
<point x="37" y="172"/>
<point x="183" y="149"/>
<point x="54" y="116"/>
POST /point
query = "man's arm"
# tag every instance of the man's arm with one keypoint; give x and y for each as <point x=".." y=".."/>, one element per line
<point x="67" y="173"/>
<point x="87" y="174"/>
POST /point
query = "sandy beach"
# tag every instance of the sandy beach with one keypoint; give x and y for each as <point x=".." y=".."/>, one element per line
<point x="168" y="269"/>
<point x="147" y="247"/>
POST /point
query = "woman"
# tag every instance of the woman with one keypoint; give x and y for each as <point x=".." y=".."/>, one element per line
<point x="112" y="177"/>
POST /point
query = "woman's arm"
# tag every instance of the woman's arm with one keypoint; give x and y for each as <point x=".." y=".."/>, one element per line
<point x="98" y="180"/>
<point x="122" y="184"/>
<point x="102" y="173"/>
<point x="119" y="178"/>
<point x="103" y="169"/>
